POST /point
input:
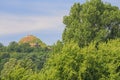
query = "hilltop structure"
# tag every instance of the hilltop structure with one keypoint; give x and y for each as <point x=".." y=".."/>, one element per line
<point x="33" y="41"/>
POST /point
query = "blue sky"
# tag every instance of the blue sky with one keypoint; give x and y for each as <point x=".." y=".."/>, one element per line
<point x="42" y="18"/>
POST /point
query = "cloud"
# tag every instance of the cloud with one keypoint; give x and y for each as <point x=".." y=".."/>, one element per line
<point x="20" y="24"/>
<point x="29" y="16"/>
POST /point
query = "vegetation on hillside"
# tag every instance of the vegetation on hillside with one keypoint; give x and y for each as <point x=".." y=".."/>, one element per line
<point x="89" y="50"/>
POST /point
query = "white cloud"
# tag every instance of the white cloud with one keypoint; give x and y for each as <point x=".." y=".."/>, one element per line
<point x="19" y="24"/>
<point x="13" y="24"/>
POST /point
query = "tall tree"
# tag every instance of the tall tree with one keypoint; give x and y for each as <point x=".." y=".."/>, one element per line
<point x="93" y="20"/>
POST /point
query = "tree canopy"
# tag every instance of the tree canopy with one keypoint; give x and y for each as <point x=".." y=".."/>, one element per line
<point x="88" y="63"/>
<point x="92" y="21"/>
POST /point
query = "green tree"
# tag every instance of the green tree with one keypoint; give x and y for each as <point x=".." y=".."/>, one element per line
<point x="91" y="21"/>
<point x="58" y="46"/>
<point x="26" y="48"/>
<point x="88" y="63"/>
<point x="12" y="47"/>
<point x="64" y="65"/>
<point x="14" y="70"/>
<point x="2" y="48"/>
<point x="4" y="57"/>
<point x="1" y="45"/>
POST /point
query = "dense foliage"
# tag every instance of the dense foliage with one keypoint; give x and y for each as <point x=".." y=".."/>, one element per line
<point x="91" y="21"/>
<point x="89" y="50"/>
<point x="19" y="61"/>
<point x="88" y="63"/>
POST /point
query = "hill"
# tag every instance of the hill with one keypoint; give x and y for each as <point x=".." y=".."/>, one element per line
<point x="32" y="40"/>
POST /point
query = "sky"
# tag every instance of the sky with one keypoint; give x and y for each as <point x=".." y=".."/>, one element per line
<point x="42" y="18"/>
